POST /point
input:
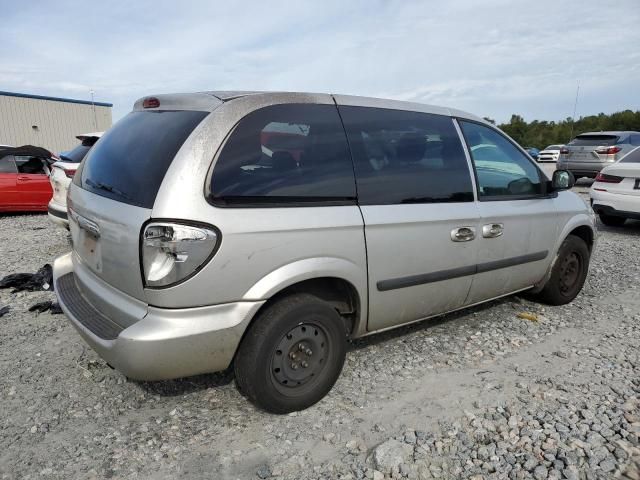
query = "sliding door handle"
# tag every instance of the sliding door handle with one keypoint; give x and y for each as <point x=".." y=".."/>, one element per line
<point x="463" y="234"/>
<point x="492" y="230"/>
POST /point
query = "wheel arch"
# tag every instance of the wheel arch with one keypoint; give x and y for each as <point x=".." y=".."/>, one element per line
<point x="582" y="226"/>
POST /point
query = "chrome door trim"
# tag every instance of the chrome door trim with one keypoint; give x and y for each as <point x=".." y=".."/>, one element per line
<point x="463" y="234"/>
<point x="492" y="230"/>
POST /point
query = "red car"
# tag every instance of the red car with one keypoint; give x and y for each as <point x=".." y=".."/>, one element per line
<point x="24" y="179"/>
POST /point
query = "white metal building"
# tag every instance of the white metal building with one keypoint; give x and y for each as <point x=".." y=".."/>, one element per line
<point x="49" y="122"/>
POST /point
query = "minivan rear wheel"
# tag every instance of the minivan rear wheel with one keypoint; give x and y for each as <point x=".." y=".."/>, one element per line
<point x="292" y="354"/>
<point x="569" y="272"/>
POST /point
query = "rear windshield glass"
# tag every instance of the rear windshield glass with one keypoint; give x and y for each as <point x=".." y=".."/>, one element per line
<point x="131" y="159"/>
<point x="632" y="157"/>
<point x="594" y="140"/>
<point x="78" y="153"/>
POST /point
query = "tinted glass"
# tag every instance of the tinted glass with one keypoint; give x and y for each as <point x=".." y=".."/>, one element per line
<point x="632" y="157"/>
<point x="634" y="139"/>
<point x="553" y="147"/>
<point x="501" y="169"/>
<point x="406" y="157"/>
<point x="78" y="153"/>
<point x="30" y="165"/>
<point x="284" y="154"/>
<point x="593" y="140"/>
<point x="7" y="165"/>
<point x="131" y="159"/>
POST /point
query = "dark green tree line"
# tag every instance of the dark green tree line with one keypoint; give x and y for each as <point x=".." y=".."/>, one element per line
<point x="539" y="134"/>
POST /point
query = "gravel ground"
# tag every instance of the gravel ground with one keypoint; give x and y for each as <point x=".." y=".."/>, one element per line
<point x="478" y="394"/>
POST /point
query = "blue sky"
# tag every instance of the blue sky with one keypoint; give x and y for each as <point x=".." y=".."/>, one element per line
<point x="489" y="57"/>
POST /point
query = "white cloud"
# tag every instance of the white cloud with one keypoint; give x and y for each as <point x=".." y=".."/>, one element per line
<point x="494" y="57"/>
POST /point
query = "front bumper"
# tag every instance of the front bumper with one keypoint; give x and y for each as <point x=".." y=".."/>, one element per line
<point x="58" y="214"/>
<point x="165" y="343"/>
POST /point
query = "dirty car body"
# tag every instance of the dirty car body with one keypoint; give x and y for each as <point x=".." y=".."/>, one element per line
<point x="174" y="272"/>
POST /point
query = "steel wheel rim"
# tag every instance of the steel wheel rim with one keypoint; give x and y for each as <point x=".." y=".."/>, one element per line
<point x="299" y="358"/>
<point x="570" y="270"/>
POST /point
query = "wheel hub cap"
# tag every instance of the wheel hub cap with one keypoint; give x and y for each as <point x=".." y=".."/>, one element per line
<point x="299" y="356"/>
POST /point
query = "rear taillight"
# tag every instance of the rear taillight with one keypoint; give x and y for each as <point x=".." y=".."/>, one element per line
<point x="70" y="173"/>
<point x="604" y="178"/>
<point x="607" y="150"/>
<point x="172" y="252"/>
<point x="564" y="151"/>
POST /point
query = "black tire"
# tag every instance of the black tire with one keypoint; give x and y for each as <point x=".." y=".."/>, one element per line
<point x="569" y="272"/>
<point x="292" y="354"/>
<point x="611" y="220"/>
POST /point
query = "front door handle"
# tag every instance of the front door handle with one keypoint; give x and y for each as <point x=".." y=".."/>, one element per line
<point x="492" y="230"/>
<point x="463" y="234"/>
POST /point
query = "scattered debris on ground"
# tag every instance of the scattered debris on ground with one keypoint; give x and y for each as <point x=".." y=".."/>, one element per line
<point x="32" y="282"/>
<point x="49" y="305"/>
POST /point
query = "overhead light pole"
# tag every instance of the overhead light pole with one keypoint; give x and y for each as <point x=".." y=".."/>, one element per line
<point x="93" y="106"/>
<point x="575" y="107"/>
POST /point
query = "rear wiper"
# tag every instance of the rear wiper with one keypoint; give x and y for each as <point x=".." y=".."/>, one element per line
<point x="107" y="188"/>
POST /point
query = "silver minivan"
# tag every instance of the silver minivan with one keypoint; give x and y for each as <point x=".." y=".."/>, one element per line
<point x="264" y="231"/>
<point x="590" y="152"/>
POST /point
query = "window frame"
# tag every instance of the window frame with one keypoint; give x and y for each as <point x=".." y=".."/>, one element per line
<point x="546" y="193"/>
<point x="282" y="201"/>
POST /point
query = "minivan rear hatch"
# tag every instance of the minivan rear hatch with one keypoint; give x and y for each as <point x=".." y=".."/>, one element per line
<point x="114" y="190"/>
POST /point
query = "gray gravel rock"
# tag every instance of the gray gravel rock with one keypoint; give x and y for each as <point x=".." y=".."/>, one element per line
<point x="478" y="394"/>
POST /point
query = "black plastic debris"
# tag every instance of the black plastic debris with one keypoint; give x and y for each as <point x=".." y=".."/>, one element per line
<point x="41" y="307"/>
<point x="4" y="310"/>
<point x="41" y="280"/>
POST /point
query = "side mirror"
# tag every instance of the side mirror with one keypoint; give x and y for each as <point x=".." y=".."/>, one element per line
<point x="562" y="180"/>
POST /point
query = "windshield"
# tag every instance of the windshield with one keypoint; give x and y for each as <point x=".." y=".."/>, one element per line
<point x="131" y="159"/>
<point x="76" y="155"/>
<point x="553" y="147"/>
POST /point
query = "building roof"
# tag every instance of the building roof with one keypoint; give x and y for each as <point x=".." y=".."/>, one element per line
<point x="54" y="99"/>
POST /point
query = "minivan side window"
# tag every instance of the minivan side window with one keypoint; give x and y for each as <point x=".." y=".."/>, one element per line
<point x="502" y="171"/>
<point x="285" y="155"/>
<point x="406" y="157"/>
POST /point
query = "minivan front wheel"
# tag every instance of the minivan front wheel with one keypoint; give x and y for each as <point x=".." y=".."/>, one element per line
<point x="292" y="354"/>
<point x="569" y="272"/>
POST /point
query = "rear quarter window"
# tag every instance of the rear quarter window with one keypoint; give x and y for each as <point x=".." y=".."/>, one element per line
<point x="285" y="155"/>
<point x="129" y="162"/>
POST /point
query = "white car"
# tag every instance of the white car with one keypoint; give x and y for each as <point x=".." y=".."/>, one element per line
<point x="62" y="173"/>
<point x="615" y="194"/>
<point x="550" y="154"/>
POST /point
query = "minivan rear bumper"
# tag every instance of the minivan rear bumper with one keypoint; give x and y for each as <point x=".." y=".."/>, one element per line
<point x="165" y="343"/>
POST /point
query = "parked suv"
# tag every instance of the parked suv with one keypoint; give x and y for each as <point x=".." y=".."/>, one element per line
<point x="196" y="246"/>
<point x="588" y="153"/>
